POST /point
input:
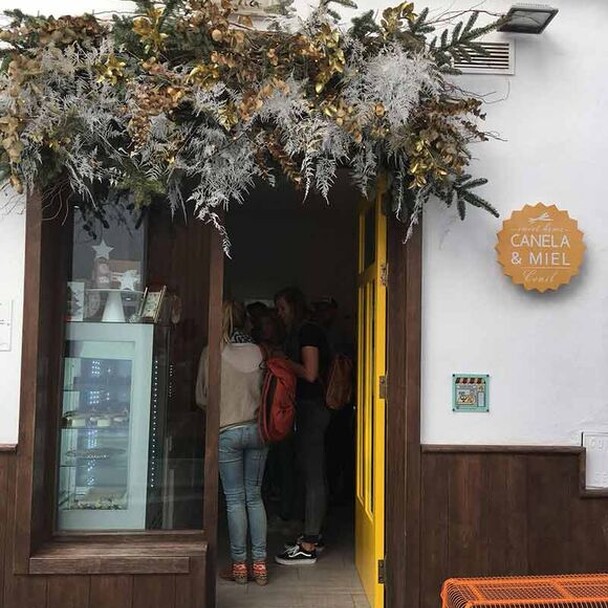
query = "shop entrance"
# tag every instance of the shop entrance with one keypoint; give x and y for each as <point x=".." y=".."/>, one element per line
<point x="186" y="258"/>
<point x="336" y="254"/>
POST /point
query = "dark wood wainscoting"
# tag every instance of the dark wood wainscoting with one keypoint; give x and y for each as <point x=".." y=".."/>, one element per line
<point x="506" y="511"/>
<point x="86" y="591"/>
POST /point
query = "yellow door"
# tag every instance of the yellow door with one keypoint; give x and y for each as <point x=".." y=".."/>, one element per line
<point x="369" y="508"/>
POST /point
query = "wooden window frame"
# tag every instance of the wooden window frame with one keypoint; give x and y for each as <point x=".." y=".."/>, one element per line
<point x="38" y="548"/>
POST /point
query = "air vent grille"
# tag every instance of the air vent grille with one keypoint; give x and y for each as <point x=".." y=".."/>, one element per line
<point x="500" y="59"/>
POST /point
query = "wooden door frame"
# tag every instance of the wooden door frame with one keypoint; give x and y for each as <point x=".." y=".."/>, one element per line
<point x="212" y="431"/>
<point x="402" y="498"/>
<point x="402" y="483"/>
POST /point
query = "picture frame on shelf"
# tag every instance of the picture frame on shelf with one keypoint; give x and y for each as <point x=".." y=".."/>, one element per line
<point x="93" y="304"/>
<point x="151" y="304"/>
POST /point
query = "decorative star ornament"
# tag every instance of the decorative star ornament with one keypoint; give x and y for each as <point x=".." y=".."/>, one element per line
<point x="102" y="250"/>
<point x="128" y="280"/>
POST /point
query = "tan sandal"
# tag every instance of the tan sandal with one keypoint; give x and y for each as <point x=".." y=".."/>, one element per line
<point x="239" y="573"/>
<point x="260" y="572"/>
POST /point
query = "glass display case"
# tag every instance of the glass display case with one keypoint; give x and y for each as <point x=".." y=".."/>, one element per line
<point x="131" y="440"/>
<point x="106" y="426"/>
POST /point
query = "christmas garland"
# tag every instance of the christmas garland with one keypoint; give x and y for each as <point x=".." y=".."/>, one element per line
<point x="188" y="103"/>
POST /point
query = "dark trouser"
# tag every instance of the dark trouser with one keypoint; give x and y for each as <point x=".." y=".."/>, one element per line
<point x="312" y="420"/>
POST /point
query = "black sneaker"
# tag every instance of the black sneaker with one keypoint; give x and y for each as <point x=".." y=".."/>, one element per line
<point x="296" y="556"/>
<point x="319" y="547"/>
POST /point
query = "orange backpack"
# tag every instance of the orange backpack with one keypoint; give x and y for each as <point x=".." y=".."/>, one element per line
<point x="277" y="410"/>
<point x="339" y="383"/>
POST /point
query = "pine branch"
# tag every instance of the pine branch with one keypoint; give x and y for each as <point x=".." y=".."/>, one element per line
<point x="477" y="201"/>
<point x="335" y="15"/>
<point x="144" y="6"/>
<point x="364" y="26"/>
<point x="462" y="208"/>
<point x="471" y="22"/>
<point x="171" y="7"/>
<point x="420" y="26"/>
<point x="474" y="183"/>
<point x="462" y="193"/>
<point x="462" y="41"/>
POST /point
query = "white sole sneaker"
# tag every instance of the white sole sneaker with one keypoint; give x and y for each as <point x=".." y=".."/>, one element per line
<point x="293" y="562"/>
<point x="296" y="556"/>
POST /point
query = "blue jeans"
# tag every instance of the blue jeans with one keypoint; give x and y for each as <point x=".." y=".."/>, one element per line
<point x="242" y="462"/>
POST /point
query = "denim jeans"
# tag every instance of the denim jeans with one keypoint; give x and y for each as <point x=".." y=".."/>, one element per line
<point x="312" y="420"/>
<point x="242" y="461"/>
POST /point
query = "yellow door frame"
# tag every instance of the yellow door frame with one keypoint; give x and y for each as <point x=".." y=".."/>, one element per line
<point x="371" y="398"/>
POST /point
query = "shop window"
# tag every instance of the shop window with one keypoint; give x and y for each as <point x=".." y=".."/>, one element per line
<point x="125" y="461"/>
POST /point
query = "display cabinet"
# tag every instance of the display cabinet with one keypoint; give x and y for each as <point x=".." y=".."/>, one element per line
<point x="106" y="426"/>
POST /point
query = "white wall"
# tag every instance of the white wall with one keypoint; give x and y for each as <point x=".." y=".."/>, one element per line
<point x="546" y="353"/>
<point x="12" y="247"/>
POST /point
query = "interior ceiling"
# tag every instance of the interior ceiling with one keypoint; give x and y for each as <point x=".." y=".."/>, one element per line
<point x="344" y="196"/>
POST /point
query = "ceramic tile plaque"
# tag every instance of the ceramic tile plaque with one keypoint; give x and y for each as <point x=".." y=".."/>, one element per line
<point x="540" y="247"/>
<point x="470" y="393"/>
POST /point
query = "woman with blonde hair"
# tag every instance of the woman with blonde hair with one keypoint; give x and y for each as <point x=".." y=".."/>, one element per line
<point x="242" y="455"/>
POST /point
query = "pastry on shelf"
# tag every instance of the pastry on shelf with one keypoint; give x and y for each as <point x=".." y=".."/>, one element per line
<point x="95" y="453"/>
<point x="75" y="419"/>
<point x="102" y="500"/>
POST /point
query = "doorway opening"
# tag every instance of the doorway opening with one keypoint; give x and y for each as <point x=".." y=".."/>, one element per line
<point x="330" y="252"/>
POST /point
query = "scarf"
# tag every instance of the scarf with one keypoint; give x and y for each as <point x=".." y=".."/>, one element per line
<point x="240" y="337"/>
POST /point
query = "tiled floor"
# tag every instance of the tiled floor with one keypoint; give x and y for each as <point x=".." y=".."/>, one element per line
<point x="331" y="583"/>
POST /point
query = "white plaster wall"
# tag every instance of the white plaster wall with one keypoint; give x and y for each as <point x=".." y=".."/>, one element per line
<point x="546" y="353"/>
<point x="12" y="248"/>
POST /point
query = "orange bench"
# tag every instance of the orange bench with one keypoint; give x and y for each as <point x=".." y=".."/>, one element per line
<point x="572" y="591"/>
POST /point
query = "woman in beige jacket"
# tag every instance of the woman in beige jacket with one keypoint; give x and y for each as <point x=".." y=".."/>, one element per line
<point x="242" y="453"/>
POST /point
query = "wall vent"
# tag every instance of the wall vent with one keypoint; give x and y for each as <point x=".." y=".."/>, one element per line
<point x="499" y="60"/>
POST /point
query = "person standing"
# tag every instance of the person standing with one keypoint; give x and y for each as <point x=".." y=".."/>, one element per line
<point x="340" y="436"/>
<point x="306" y="347"/>
<point x="242" y="455"/>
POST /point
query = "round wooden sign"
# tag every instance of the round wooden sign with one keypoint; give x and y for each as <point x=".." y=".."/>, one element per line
<point x="540" y="247"/>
